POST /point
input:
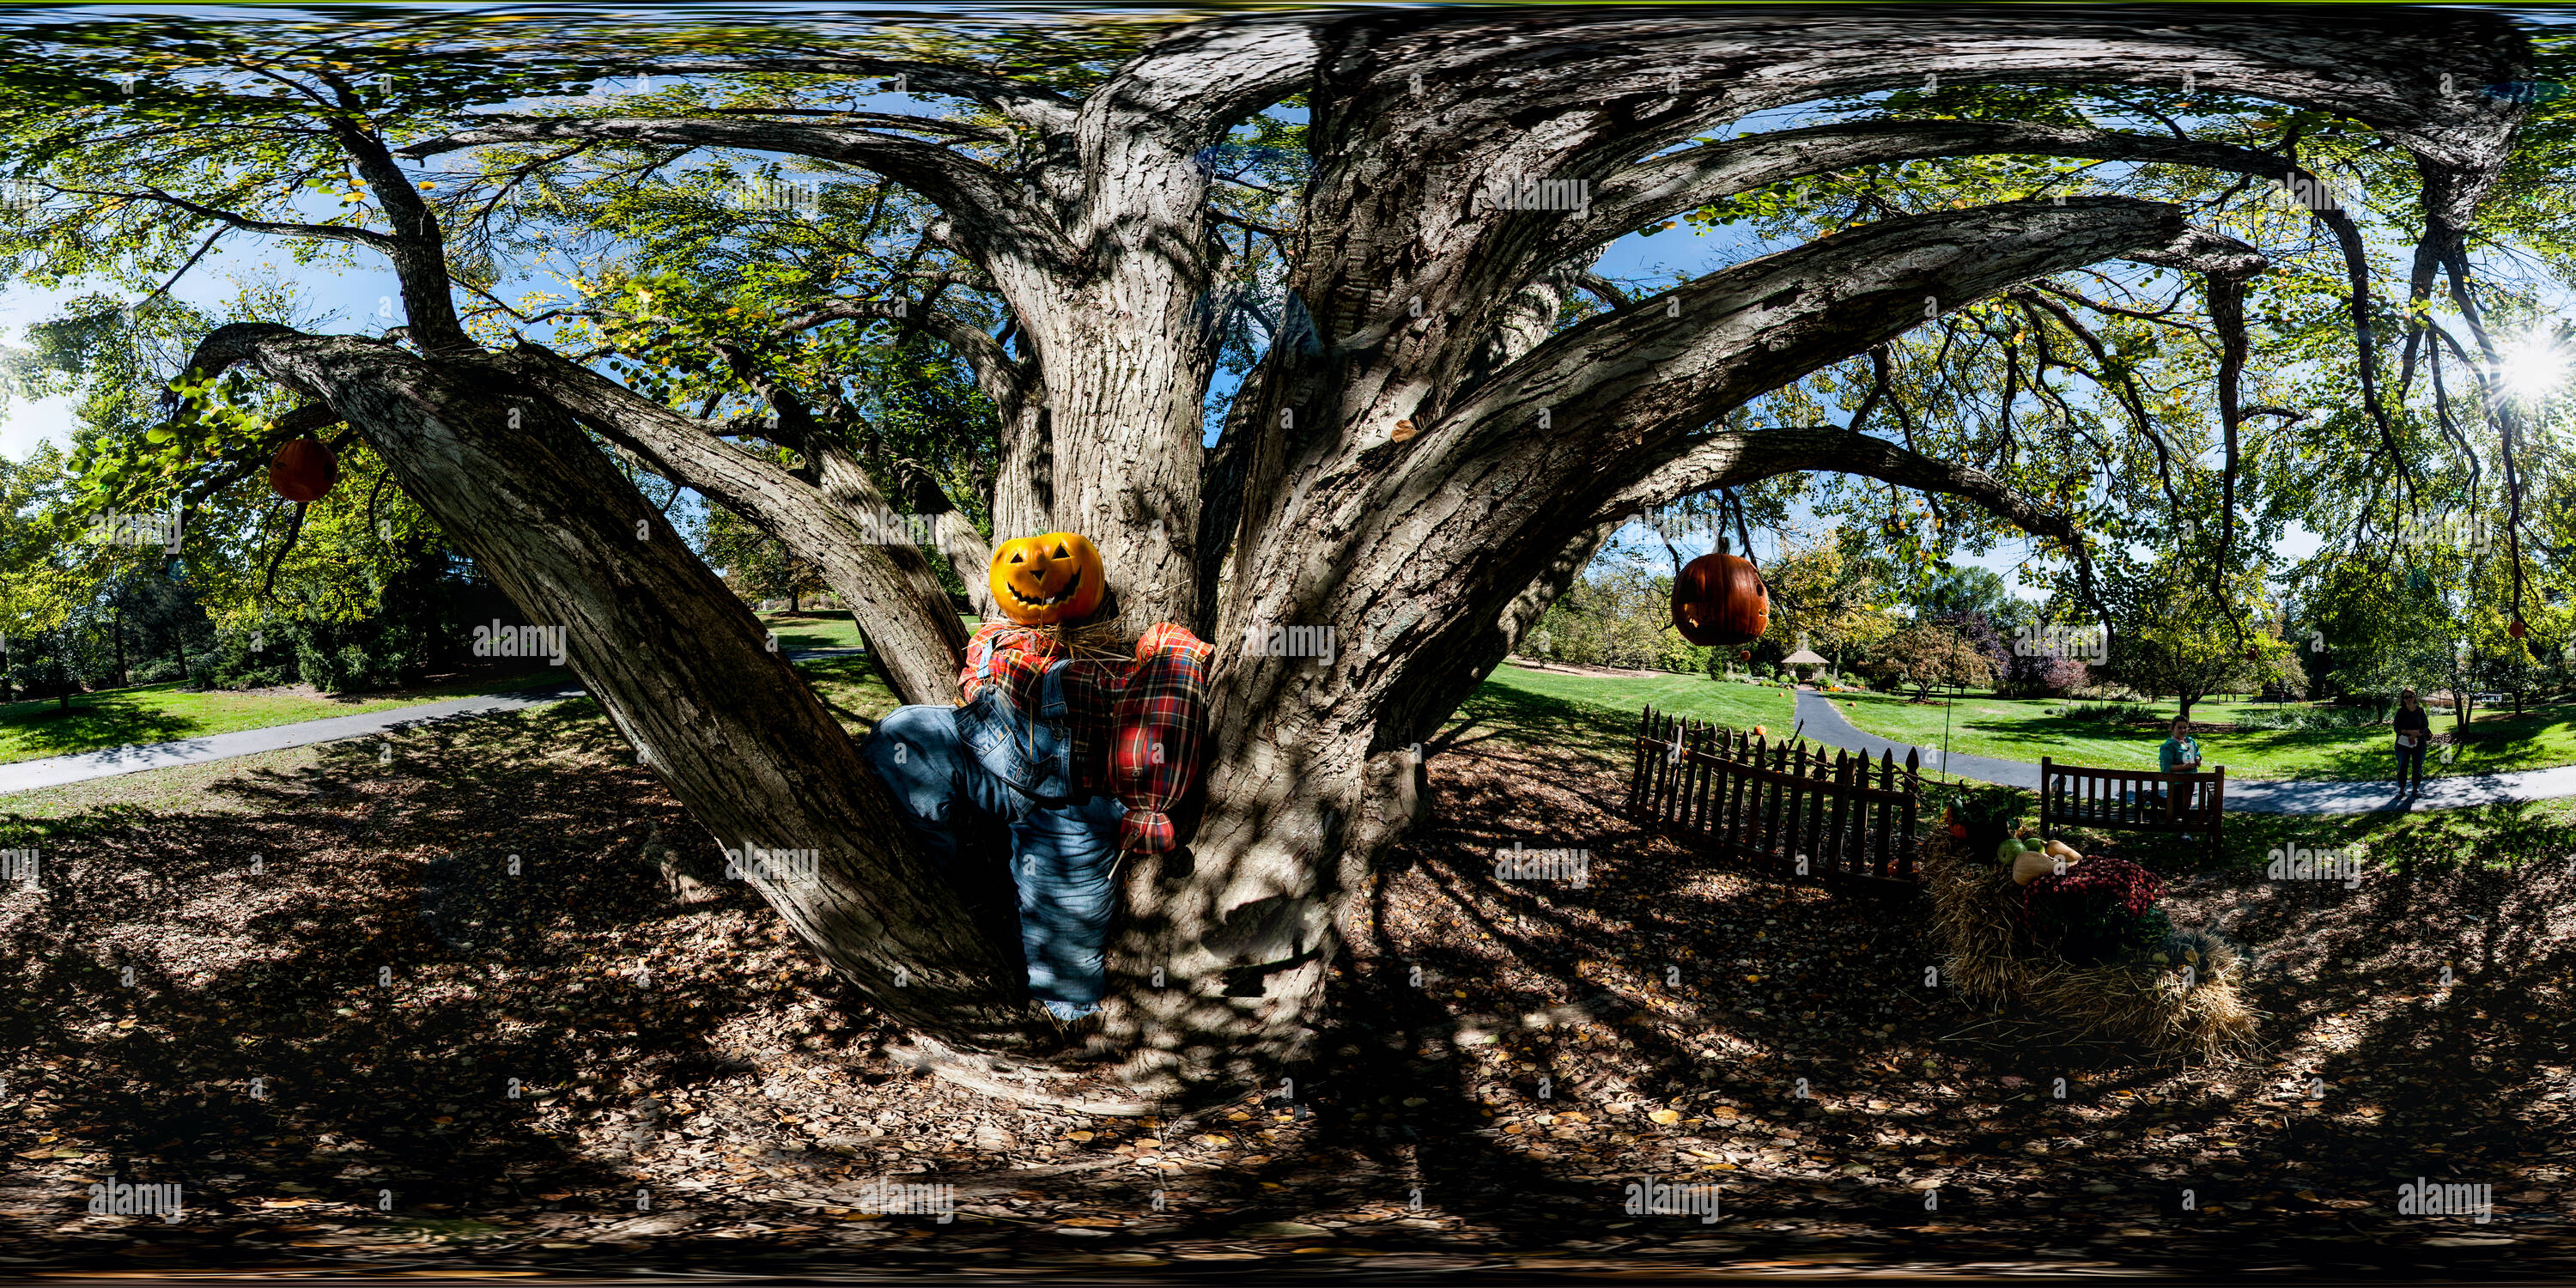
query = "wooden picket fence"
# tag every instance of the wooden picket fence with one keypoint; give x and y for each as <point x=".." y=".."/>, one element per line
<point x="1774" y="805"/>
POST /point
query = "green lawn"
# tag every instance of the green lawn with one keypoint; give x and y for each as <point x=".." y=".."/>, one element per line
<point x="2021" y="729"/>
<point x="813" y="630"/>
<point x="167" y="712"/>
<point x="2501" y="835"/>
<point x="1598" y="714"/>
<point x="828" y="630"/>
<point x="850" y="688"/>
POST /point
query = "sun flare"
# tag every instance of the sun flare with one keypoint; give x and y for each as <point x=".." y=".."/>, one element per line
<point x="2532" y="368"/>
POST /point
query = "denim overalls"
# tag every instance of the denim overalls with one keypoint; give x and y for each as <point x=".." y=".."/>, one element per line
<point x="989" y="757"/>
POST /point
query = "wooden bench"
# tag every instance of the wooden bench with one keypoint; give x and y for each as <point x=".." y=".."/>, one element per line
<point x="2130" y="800"/>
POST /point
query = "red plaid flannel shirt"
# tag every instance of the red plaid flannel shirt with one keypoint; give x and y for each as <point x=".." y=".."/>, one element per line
<point x="1137" y="725"/>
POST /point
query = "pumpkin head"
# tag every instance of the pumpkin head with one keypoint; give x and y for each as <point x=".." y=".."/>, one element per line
<point x="1042" y="580"/>
<point x="303" y="470"/>
<point x="1720" y="600"/>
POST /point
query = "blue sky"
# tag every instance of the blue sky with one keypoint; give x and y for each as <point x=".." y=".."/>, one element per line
<point x="364" y="298"/>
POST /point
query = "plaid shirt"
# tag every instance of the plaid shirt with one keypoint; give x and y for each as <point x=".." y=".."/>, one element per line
<point x="1137" y="726"/>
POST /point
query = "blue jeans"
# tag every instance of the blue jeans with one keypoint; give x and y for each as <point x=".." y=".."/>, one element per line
<point x="2411" y="755"/>
<point x="986" y="758"/>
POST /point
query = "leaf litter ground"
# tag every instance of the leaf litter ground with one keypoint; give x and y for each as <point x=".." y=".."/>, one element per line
<point x="692" y="1093"/>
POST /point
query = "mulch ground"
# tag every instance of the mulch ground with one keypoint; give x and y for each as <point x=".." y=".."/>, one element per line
<point x="610" y="1062"/>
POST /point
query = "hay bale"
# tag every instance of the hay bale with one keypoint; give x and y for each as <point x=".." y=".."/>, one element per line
<point x="1974" y="911"/>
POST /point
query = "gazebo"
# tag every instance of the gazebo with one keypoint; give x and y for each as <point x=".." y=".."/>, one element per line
<point x="1803" y="658"/>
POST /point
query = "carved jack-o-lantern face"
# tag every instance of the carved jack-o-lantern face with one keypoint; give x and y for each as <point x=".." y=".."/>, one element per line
<point x="1053" y="578"/>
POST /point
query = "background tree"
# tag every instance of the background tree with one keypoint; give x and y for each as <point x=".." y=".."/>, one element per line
<point x="756" y="565"/>
<point x="1828" y="589"/>
<point x="1923" y="655"/>
<point x="2171" y="635"/>
<point x="1619" y="614"/>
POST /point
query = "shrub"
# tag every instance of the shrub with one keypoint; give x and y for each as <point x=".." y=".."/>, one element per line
<point x="2315" y="718"/>
<point x="2110" y="712"/>
<point x="157" y="670"/>
<point x="231" y="664"/>
<point x="2043" y="677"/>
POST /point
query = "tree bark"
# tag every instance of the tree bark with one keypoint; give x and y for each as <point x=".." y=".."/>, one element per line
<point x="1414" y="298"/>
<point x="677" y="662"/>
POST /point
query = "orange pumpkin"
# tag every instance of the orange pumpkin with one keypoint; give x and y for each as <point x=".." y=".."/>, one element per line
<point x="1719" y="600"/>
<point x="1051" y="578"/>
<point x="303" y="470"/>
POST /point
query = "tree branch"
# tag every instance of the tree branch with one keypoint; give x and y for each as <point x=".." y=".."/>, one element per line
<point x="841" y="527"/>
<point x="989" y="213"/>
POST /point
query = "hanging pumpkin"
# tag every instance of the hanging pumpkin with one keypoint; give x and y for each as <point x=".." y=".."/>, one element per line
<point x="303" y="470"/>
<point x="1046" y="579"/>
<point x="1720" y="601"/>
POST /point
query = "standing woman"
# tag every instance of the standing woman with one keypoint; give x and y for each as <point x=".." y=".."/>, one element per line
<point x="2414" y="730"/>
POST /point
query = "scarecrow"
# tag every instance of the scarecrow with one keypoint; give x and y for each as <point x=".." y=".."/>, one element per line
<point x="1077" y="741"/>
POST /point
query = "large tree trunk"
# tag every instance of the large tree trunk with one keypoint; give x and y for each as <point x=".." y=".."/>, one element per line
<point x="678" y="663"/>
<point x="1421" y="301"/>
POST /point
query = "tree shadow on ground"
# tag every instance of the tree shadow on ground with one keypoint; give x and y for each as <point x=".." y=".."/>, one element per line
<point x="1779" y="984"/>
<point x="174" y="959"/>
<point x="1776" y="983"/>
<point x="1520" y="717"/>
<point x="96" y="720"/>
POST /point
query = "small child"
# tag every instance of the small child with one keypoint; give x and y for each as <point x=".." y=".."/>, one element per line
<point x="2181" y="752"/>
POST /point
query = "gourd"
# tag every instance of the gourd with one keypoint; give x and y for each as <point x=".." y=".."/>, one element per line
<point x="1052" y="578"/>
<point x="1719" y="600"/>
<point x="303" y="470"/>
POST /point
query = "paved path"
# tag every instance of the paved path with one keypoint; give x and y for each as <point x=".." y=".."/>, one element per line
<point x="28" y="775"/>
<point x="1823" y="722"/>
